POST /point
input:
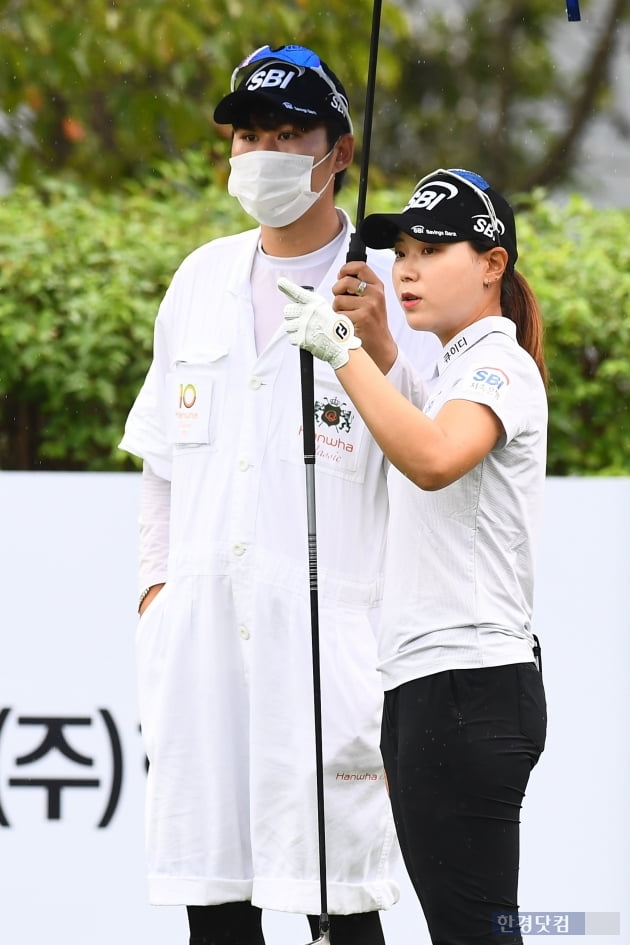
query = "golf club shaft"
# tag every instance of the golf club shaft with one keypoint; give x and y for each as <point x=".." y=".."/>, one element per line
<point x="308" y="428"/>
<point x="356" y="250"/>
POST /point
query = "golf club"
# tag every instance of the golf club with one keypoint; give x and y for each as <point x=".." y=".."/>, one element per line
<point x="308" y="427"/>
<point x="356" y="251"/>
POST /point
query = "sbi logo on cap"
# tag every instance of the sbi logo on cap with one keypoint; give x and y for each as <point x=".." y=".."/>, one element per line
<point x="428" y="197"/>
<point x="483" y="224"/>
<point x="271" y="77"/>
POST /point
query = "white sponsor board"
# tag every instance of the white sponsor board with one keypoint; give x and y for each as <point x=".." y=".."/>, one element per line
<point x="71" y="758"/>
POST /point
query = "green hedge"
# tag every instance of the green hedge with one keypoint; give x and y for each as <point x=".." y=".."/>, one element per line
<point x="82" y="274"/>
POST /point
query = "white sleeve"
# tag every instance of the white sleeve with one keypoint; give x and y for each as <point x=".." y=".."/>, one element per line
<point x="405" y="378"/>
<point x="505" y="379"/>
<point x="145" y="435"/>
<point x="155" y="507"/>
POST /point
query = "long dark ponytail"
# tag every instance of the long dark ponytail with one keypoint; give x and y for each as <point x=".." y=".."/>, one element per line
<point x="519" y="304"/>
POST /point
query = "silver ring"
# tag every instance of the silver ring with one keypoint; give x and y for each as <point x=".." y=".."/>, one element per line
<point x="360" y="289"/>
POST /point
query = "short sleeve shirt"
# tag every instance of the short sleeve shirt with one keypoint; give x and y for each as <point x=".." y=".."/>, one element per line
<point x="460" y="560"/>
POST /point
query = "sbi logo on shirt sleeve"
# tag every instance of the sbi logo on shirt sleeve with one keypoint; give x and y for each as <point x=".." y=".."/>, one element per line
<point x="493" y="377"/>
<point x="490" y="381"/>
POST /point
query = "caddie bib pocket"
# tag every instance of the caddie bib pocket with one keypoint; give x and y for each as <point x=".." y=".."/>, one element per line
<point x="341" y="438"/>
<point x="193" y="401"/>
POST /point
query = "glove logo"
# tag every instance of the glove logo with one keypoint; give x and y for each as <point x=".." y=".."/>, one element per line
<point x="342" y="331"/>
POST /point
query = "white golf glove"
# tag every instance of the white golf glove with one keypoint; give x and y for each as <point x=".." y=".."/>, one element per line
<point x="311" y="323"/>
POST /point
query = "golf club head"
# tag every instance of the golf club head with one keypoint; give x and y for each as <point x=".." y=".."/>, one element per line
<point x="324" y="937"/>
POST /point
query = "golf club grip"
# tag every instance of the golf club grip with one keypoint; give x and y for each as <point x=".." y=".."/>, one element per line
<point x="308" y="404"/>
<point x="356" y="249"/>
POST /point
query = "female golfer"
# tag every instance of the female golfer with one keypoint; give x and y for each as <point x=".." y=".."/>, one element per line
<point x="465" y="716"/>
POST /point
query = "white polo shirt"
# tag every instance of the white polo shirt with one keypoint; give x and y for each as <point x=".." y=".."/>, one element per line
<point x="460" y="560"/>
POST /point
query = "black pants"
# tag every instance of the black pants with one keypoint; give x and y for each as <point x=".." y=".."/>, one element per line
<point x="240" y="923"/>
<point x="458" y="748"/>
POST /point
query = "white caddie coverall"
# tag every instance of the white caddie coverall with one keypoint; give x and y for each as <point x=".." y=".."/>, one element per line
<point x="224" y="651"/>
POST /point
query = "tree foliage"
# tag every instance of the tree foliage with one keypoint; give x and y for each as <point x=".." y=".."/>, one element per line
<point x="107" y="88"/>
<point x="83" y="272"/>
<point x="577" y="259"/>
<point x="82" y="275"/>
<point x="508" y="87"/>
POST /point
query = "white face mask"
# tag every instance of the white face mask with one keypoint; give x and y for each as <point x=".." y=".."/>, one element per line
<point x="274" y="187"/>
